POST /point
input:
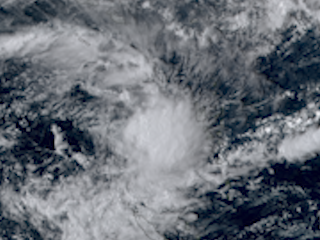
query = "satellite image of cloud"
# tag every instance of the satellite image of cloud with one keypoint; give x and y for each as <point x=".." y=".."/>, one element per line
<point x="159" y="120"/>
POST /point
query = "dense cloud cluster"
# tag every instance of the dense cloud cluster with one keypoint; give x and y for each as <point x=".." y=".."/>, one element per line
<point x="228" y="88"/>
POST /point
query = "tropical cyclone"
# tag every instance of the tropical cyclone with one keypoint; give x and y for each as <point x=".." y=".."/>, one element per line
<point x="160" y="140"/>
<point x="149" y="120"/>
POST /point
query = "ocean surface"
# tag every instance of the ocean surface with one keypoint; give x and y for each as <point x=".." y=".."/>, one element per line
<point x="159" y="120"/>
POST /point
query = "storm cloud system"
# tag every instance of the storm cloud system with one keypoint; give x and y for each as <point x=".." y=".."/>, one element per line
<point x="159" y="120"/>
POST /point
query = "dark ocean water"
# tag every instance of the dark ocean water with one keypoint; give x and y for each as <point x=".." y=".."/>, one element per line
<point x="72" y="76"/>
